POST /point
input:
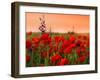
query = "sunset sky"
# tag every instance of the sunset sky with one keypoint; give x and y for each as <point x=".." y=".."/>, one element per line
<point x="61" y="23"/>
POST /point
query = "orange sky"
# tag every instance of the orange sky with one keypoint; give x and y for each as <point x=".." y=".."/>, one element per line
<point x="58" y="22"/>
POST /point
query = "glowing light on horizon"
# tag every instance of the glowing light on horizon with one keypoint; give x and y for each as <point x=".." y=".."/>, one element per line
<point x="61" y="23"/>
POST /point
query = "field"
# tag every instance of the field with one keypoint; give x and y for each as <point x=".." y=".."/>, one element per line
<point x="56" y="49"/>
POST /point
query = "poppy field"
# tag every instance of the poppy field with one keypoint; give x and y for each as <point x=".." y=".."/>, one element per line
<point x="56" y="49"/>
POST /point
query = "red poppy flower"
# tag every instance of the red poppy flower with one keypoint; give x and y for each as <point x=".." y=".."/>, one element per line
<point x="68" y="50"/>
<point x="61" y="51"/>
<point x="58" y="39"/>
<point x="48" y="40"/>
<point x="64" y="61"/>
<point x="53" y="59"/>
<point x="50" y="50"/>
<point x="78" y="51"/>
<point x="28" y="44"/>
<point x="55" y="48"/>
<point x="44" y="36"/>
<point x="72" y="39"/>
<point x="57" y="57"/>
<point x="82" y="59"/>
<point x="35" y="40"/>
<point x="65" y="44"/>
<point x="28" y="58"/>
<point x="62" y="38"/>
<point x="78" y="42"/>
<point x="73" y="45"/>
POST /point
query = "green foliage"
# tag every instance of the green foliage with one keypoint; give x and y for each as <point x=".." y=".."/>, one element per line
<point x="37" y="60"/>
<point x="46" y="62"/>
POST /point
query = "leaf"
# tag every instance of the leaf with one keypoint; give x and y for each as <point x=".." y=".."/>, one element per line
<point x="28" y="64"/>
<point x="46" y="62"/>
<point x="72" y="57"/>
